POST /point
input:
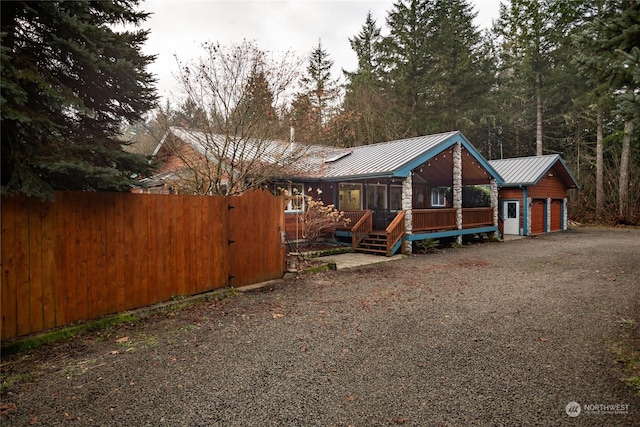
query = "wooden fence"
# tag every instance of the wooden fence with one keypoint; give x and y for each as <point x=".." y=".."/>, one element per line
<point x="91" y="254"/>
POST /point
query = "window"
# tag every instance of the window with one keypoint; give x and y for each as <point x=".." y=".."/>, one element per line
<point x="512" y="210"/>
<point x="396" y="197"/>
<point x="350" y="198"/>
<point x="295" y="201"/>
<point x="377" y="197"/>
<point x="439" y="197"/>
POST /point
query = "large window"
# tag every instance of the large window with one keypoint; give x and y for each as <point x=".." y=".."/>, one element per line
<point x="377" y="197"/>
<point x="439" y="197"/>
<point x="396" y="198"/>
<point x="350" y="197"/>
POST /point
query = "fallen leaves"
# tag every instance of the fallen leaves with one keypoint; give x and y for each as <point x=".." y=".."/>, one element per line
<point x="5" y="408"/>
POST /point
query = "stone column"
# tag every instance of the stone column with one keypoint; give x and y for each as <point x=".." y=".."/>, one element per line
<point x="494" y="201"/>
<point x="407" y="206"/>
<point x="457" y="187"/>
<point x="565" y="215"/>
<point x="548" y="227"/>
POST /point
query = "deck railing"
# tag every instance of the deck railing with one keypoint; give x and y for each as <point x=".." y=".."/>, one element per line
<point x="361" y="229"/>
<point x="395" y="231"/>
<point x="433" y="219"/>
<point x="445" y="219"/>
<point x="353" y="217"/>
<point x="476" y="217"/>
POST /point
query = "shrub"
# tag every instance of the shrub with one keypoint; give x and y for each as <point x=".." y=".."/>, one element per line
<point x="319" y="220"/>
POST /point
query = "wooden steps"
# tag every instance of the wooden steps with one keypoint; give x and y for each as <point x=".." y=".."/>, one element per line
<point x="374" y="243"/>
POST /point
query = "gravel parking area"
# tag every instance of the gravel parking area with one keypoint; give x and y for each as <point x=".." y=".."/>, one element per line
<point x="494" y="334"/>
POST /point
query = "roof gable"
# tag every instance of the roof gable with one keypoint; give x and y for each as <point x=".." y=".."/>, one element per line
<point x="527" y="171"/>
<point x="398" y="158"/>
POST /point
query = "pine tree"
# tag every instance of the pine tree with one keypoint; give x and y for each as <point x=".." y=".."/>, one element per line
<point x="318" y="85"/>
<point x="69" y="80"/>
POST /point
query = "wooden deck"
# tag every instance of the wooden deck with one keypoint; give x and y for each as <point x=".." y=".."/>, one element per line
<point x="425" y="223"/>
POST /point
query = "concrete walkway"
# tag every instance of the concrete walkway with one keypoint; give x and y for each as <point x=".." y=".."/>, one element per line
<point x="353" y="259"/>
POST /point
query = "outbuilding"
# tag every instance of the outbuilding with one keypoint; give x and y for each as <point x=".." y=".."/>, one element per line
<point x="533" y="197"/>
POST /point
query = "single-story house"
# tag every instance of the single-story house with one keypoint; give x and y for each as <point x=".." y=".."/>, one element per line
<point x="411" y="189"/>
<point x="533" y="196"/>
<point x="399" y="192"/>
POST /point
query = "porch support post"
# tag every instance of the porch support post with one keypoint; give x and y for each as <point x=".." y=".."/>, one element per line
<point x="457" y="187"/>
<point x="407" y="205"/>
<point x="494" y="201"/>
<point x="527" y="226"/>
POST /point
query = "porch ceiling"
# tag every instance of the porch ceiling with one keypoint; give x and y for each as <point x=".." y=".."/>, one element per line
<point x="438" y="171"/>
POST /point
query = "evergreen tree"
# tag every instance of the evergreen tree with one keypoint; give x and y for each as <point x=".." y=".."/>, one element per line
<point x="256" y="108"/>
<point x="610" y="57"/>
<point x="459" y="78"/>
<point x="367" y="104"/>
<point x="318" y="85"/>
<point x="406" y="57"/>
<point x="69" y="80"/>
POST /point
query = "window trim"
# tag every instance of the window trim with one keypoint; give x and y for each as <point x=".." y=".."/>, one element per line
<point x="391" y="188"/>
<point x="359" y="185"/>
<point x="439" y="191"/>
<point x="384" y="186"/>
<point x="289" y="208"/>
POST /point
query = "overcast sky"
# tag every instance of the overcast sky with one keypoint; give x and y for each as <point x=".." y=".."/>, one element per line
<point x="179" y="27"/>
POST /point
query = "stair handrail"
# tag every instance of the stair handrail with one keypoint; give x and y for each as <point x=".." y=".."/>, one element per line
<point x="361" y="229"/>
<point x="395" y="231"/>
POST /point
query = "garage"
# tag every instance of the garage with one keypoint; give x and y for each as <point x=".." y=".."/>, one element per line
<point x="539" y="184"/>
<point x="538" y="216"/>
<point x="556" y="215"/>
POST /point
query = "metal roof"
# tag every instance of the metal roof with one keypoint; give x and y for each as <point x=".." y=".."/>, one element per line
<point x="528" y="170"/>
<point x="384" y="158"/>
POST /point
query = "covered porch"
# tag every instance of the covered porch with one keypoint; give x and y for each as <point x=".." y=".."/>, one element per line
<point x="449" y="193"/>
<point x="426" y="224"/>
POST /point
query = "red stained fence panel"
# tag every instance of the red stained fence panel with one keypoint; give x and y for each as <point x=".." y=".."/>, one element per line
<point x="91" y="254"/>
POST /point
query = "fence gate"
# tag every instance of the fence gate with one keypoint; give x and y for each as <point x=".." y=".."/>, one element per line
<point x="256" y="251"/>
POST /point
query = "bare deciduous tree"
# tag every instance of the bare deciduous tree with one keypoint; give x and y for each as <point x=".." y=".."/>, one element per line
<point x="238" y="89"/>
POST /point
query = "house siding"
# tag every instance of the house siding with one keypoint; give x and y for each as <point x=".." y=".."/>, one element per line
<point x="548" y="187"/>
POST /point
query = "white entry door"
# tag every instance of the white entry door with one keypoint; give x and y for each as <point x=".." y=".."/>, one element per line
<point x="511" y="211"/>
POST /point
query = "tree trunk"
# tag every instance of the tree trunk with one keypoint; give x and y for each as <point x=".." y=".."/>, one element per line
<point x="624" y="169"/>
<point x="538" y="114"/>
<point x="599" y="155"/>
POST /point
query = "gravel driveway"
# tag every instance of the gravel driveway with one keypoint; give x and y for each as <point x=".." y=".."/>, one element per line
<point x="495" y="334"/>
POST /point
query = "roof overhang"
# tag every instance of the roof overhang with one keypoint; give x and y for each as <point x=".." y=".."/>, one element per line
<point x="408" y="167"/>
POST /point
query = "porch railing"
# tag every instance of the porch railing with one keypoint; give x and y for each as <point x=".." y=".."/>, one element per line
<point x="395" y="231"/>
<point x="353" y="217"/>
<point x="433" y="219"/>
<point x="445" y="219"/>
<point x="361" y="229"/>
<point x="476" y="217"/>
